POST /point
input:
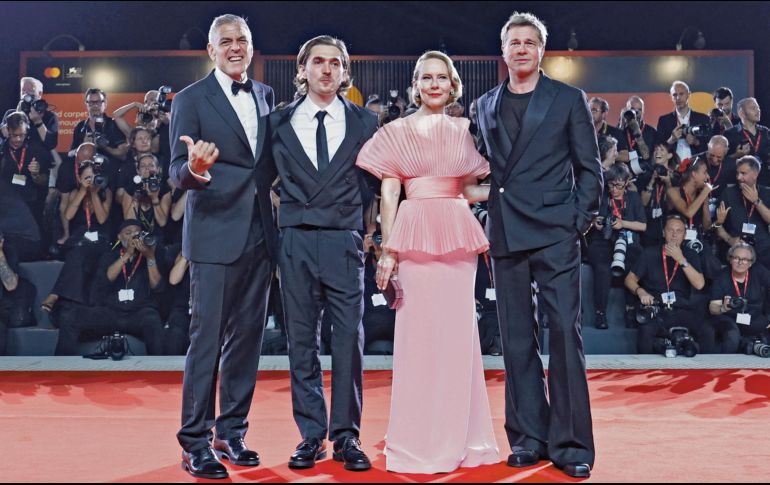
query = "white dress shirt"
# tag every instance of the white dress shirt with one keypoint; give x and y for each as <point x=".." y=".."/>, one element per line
<point x="305" y="124"/>
<point x="682" y="147"/>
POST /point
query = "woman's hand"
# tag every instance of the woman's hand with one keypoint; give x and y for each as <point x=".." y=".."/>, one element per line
<point x="386" y="266"/>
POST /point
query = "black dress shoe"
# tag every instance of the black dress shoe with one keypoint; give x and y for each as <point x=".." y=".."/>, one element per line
<point x="307" y="453"/>
<point x="236" y="452"/>
<point x="577" y="470"/>
<point x="601" y="321"/>
<point x="203" y="464"/>
<point x="522" y="458"/>
<point x="348" y="450"/>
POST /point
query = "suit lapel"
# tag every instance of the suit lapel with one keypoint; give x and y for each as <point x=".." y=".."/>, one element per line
<point x="258" y="96"/>
<point x="497" y="129"/>
<point x="286" y="132"/>
<point x="543" y="96"/>
<point x="222" y="105"/>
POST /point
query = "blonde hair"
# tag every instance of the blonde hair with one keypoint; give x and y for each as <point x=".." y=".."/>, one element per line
<point x="457" y="84"/>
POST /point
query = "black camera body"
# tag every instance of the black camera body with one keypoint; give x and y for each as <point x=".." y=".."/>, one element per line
<point x="164" y="103"/>
<point x="647" y="313"/>
<point x="694" y="245"/>
<point x="756" y="346"/>
<point x="144" y="186"/>
<point x="661" y="170"/>
<point x="147" y="238"/>
<point x="739" y="303"/>
<point x="100" y="140"/>
<point x="696" y="130"/>
<point x="97" y="164"/>
<point x="683" y="342"/>
<point x="28" y="103"/>
<point x="393" y="109"/>
<point x="113" y="346"/>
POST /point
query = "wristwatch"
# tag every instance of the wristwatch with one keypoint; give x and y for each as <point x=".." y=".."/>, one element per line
<point x="757" y="202"/>
<point x="684" y="264"/>
<point x="150" y="263"/>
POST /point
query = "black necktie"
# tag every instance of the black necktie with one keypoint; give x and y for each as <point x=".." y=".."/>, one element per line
<point x="321" y="146"/>
<point x="238" y="86"/>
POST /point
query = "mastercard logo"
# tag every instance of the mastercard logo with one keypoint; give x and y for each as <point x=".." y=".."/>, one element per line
<point x="52" y="72"/>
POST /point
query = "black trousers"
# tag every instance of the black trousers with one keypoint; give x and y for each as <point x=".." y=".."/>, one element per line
<point x="177" y="332"/>
<point x="229" y="303"/>
<point x="76" y="321"/>
<point x="77" y="274"/>
<point x="323" y="270"/>
<point x="561" y="428"/>
<point x="720" y="334"/>
<point x="659" y="328"/>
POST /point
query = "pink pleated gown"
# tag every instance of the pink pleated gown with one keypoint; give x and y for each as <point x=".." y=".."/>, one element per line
<point x="439" y="416"/>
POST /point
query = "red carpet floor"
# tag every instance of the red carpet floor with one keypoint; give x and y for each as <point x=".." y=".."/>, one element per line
<point x="659" y="426"/>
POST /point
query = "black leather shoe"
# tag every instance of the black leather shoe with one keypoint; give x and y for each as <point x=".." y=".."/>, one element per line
<point x="601" y="321"/>
<point x="348" y="450"/>
<point x="577" y="470"/>
<point x="522" y="458"/>
<point x="236" y="452"/>
<point x="307" y="453"/>
<point x="203" y="464"/>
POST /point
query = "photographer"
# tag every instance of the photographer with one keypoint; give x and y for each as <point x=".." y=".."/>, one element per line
<point x="613" y="244"/>
<point x="723" y="101"/>
<point x="599" y="109"/>
<point x="684" y="129"/>
<point x="44" y="121"/>
<point x="25" y="164"/>
<point x="743" y="214"/>
<point x="653" y="187"/>
<point x="126" y="280"/>
<point x="140" y="142"/>
<point x="664" y="277"/>
<point x="750" y="138"/>
<point x="690" y="200"/>
<point x="147" y="198"/>
<point x="148" y="116"/>
<point x="608" y="151"/>
<point x="738" y="299"/>
<point x="720" y="168"/>
<point x="639" y="135"/>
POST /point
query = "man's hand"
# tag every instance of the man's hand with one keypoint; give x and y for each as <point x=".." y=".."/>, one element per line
<point x="35" y="117"/>
<point x="34" y="167"/>
<point x="617" y="224"/>
<point x="147" y="251"/>
<point x="743" y="150"/>
<point x="692" y="140"/>
<point x="750" y="193"/>
<point x="675" y="252"/>
<point x="645" y="298"/>
<point x="722" y="213"/>
<point x="675" y="135"/>
<point x="200" y="155"/>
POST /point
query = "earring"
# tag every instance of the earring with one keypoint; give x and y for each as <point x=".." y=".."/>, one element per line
<point x="417" y="94"/>
<point x="452" y="92"/>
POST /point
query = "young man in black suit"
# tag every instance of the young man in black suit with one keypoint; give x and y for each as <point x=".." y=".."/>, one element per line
<point x="546" y="186"/>
<point x="315" y="141"/>
<point x="218" y="128"/>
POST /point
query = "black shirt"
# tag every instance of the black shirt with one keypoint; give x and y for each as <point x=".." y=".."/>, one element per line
<point x="649" y="268"/>
<point x="628" y="142"/>
<point x="759" y="284"/>
<point x="656" y="209"/>
<point x="15" y="215"/>
<point x="616" y="133"/>
<point x="630" y="208"/>
<point x="512" y="109"/>
<point x="138" y="281"/>
<point x="22" y="157"/>
<point x="739" y="214"/>
<point x="109" y="129"/>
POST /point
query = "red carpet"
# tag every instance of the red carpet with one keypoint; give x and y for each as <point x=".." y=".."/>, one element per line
<point x="661" y="426"/>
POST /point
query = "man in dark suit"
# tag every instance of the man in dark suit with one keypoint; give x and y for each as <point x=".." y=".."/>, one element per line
<point x="218" y="127"/>
<point x="315" y="142"/>
<point x="546" y="185"/>
<point x="671" y="126"/>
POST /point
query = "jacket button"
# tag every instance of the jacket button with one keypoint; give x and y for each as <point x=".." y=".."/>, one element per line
<point x="502" y="189"/>
<point x="347" y="180"/>
<point x="307" y="206"/>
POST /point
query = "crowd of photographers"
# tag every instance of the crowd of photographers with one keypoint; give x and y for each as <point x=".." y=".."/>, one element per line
<point x="684" y="227"/>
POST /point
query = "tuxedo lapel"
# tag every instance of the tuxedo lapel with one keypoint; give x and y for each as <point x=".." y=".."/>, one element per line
<point x="258" y="96"/>
<point x="222" y="105"/>
<point x="542" y="97"/>
<point x="289" y="137"/>
<point x="353" y="132"/>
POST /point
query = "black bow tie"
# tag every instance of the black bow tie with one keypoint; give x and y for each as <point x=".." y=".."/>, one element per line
<point x="238" y="86"/>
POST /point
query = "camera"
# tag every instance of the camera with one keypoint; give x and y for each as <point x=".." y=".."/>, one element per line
<point x="100" y="140"/>
<point x="145" y="186"/>
<point x="739" y="303"/>
<point x="715" y="114"/>
<point x="606" y="223"/>
<point x="28" y="103"/>
<point x="377" y="238"/>
<point x="661" y="170"/>
<point x="678" y="342"/>
<point x="113" y="346"/>
<point x="695" y="245"/>
<point x="630" y="115"/>
<point x="146" y="117"/>
<point x="618" y="266"/>
<point x="97" y="164"/>
<point x="647" y="313"/>
<point x="164" y="103"/>
<point x="697" y="130"/>
<point x="756" y="346"/>
<point x="147" y="238"/>
<point x="393" y="109"/>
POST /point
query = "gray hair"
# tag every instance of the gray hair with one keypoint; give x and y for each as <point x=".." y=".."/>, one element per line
<point x="36" y="82"/>
<point x="634" y="98"/>
<point x="751" y="161"/>
<point x="525" y="18"/>
<point x="742" y="103"/>
<point x="742" y="245"/>
<point x="227" y="19"/>
<point x="718" y="140"/>
<point x="601" y="101"/>
<point x="679" y="83"/>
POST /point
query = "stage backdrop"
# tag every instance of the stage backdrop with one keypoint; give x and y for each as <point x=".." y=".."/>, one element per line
<point x="613" y="75"/>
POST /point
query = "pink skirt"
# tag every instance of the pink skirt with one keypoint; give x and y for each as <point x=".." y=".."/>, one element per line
<point x="439" y="416"/>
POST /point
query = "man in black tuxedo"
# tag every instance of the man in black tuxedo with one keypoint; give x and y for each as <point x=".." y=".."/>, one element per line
<point x="545" y="189"/>
<point x="219" y="128"/>
<point x="671" y="126"/>
<point x="315" y="141"/>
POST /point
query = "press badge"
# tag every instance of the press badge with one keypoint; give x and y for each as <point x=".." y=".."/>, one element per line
<point x="743" y="319"/>
<point x="19" y="179"/>
<point x="657" y="213"/>
<point x="125" y="295"/>
<point x="668" y="298"/>
<point x="749" y="228"/>
<point x="491" y="294"/>
<point x="378" y="300"/>
<point x="92" y="236"/>
<point x="691" y="235"/>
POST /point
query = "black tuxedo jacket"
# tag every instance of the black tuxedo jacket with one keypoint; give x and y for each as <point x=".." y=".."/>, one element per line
<point x="218" y="214"/>
<point x="334" y="198"/>
<point x="668" y="122"/>
<point x="547" y="185"/>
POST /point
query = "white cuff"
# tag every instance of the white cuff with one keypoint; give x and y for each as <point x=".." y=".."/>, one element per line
<point x="204" y="179"/>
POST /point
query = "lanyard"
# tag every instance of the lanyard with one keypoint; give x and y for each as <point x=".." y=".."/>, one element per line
<point x="754" y="146"/>
<point x="489" y="270"/>
<point x="745" y="285"/>
<point x="719" y="172"/>
<point x="19" y="163"/>
<point x="603" y="130"/>
<point x="87" y="208"/>
<point x="615" y="210"/>
<point x="659" y="194"/>
<point x="749" y="211"/>
<point x="136" y="266"/>
<point x="665" y="271"/>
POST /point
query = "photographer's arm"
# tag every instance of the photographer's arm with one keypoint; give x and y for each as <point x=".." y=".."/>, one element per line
<point x="473" y="191"/>
<point x="101" y="207"/>
<point x="177" y="272"/>
<point x="161" y="208"/>
<point x="680" y="205"/>
<point x="120" y="113"/>
<point x="8" y="276"/>
<point x="632" y="284"/>
<point x="117" y="267"/>
<point x="75" y="199"/>
<point x="634" y="225"/>
<point x="717" y="307"/>
<point x="119" y="152"/>
<point x="177" y="209"/>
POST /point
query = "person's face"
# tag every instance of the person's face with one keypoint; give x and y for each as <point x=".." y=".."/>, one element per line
<point x="597" y="114"/>
<point x="716" y="154"/>
<point x="434" y="83"/>
<point x="725" y="105"/>
<point x="28" y="88"/>
<point x="700" y="176"/>
<point x="522" y="50"/>
<point x="751" y="111"/>
<point x="142" y="142"/>
<point x="617" y="188"/>
<point x="95" y="105"/>
<point x="745" y="175"/>
<point x="674" y="232"/>
<point x="680" y="96"/>
<point x="232" y="50"/>
<point x="87" y="174"/>
<point x="741" y="261"/>
<point x="612" y="153"/>
<point x="662" y="156"/>
<point x="17" y="136"/>
<point x="127" y="234"/>
<point x="323" y="70"/>
<point x="146" y="167"/>
<point x="151" y="100"/>
<point x="639" y="107"/>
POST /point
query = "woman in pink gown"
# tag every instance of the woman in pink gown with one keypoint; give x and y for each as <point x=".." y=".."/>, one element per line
<point x="439" y="417"/>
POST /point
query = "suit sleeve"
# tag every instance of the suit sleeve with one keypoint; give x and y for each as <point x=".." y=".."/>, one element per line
<point x="586" y="165"/>
<point x="184" y="121"/>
